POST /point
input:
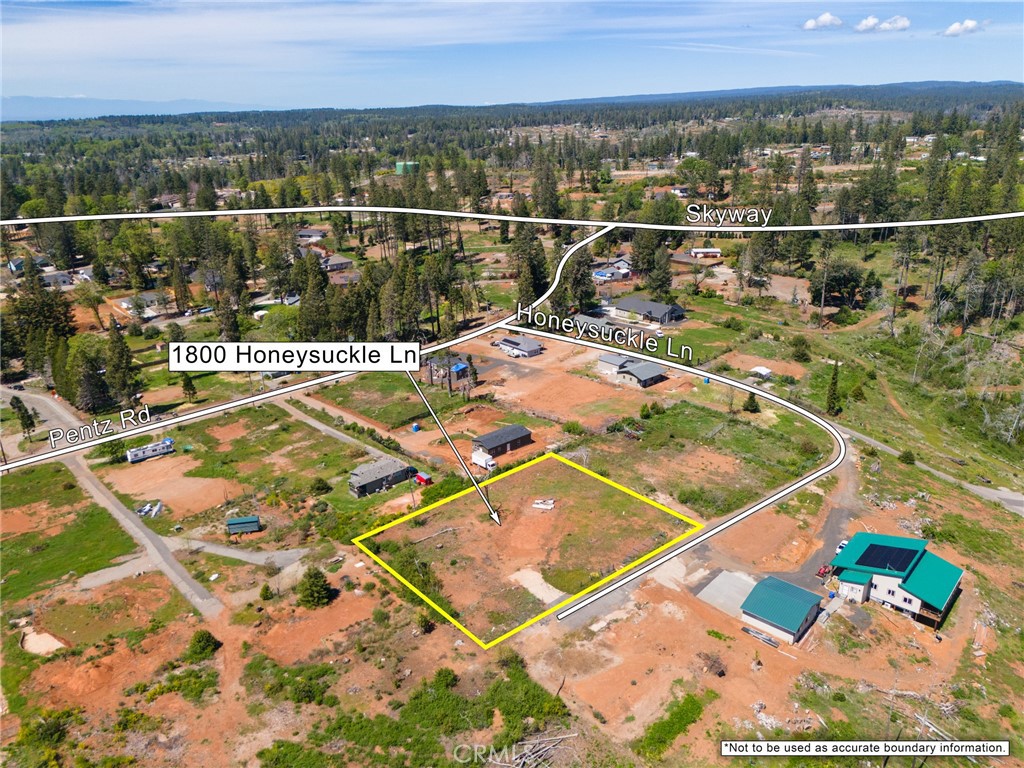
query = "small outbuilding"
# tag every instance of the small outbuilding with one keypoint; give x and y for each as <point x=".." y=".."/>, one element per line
<point x="503" y="440"/>
<point x="378" y="476"/>
<point x="781" y="609"/>
<point x="248" y="524"/>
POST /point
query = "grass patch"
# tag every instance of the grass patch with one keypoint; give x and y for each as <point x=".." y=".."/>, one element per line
<point x="389" y="398"/>
<point x="679" y="716"/>
<point x="52" y="483"/>
<point x="32" y="561"/>
<point x="193" y="684"/>
<point x="300" y="683"/>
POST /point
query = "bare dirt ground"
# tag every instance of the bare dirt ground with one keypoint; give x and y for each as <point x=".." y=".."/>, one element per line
<point x="550" y="385"/>
<point x="165" y="479"/>
<point x="747" y="363"/>
<point x="226" y="433"/>
<point x="39" y="517"/>
<point x="481" y="565"/>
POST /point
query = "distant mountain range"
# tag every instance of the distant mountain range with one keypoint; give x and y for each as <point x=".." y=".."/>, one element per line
<point x="35" y="108"/>
<point x="31" y="108"/>
<point x="743" y="93"/>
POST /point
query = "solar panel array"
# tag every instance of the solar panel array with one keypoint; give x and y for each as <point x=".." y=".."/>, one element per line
<point x="888" y="558"/>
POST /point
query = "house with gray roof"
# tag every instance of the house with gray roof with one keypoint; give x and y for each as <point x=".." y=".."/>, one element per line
<point x="503" y="440"/>
<point x="378" y="476"/>
<point x="520" y="346"/>
<point x="633" y="308"/>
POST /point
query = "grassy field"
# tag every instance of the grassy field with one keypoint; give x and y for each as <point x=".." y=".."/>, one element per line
<point x="308" y="453"/>
<point x="594" y="530"/>
<point x="52" y="483"/>
<point x="389" y="398"/>
<point x="85" y="624"/>
<point x="32" y="562"/>
<point x="770" y="456"/>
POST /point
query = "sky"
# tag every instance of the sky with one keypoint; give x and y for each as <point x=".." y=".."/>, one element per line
<point x="351" y="53"/>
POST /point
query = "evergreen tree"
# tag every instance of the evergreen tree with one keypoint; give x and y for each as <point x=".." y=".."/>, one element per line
<point x="659" y="279"/>
<point x="832" y="406"/>
<point x="25" y="417"/>
<point x="578" y="279"/>
<point x="92" y="395"/>
<point x="750" y="405"/>
<point x="229" y="330"/>
<point x="188" y="387"/>
<point x="313" y="589"/>
<point x="122" y="379"/>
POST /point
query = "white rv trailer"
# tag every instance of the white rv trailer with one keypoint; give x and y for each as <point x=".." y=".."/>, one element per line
<point x="165" y="446"/>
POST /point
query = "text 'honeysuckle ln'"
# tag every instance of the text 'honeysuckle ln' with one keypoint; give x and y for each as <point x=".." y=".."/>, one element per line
<point x="584" y="327"/>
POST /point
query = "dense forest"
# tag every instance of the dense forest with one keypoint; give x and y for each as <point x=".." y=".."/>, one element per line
<point x="555" y="160"/>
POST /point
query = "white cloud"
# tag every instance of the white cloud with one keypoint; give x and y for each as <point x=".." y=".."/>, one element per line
<point x="960" y="28"/>
<point x="874" y="24"/>
<point x="868" y="24"/>
<point x="824" y="21"/>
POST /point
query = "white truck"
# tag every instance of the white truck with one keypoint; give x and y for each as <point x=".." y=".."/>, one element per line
<point x="483" y="459"/>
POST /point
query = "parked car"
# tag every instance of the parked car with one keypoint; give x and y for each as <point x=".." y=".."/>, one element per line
<point x="842" y="544"/>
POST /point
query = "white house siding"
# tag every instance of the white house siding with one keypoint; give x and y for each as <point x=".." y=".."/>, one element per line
<point x="899" y="599"/>
<point x="856" y="592"/>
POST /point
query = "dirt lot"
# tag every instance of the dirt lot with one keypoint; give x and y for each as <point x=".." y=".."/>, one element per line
<point x="164" y="479"/>
<point x="492" y="575"/>
<point x="552" y="386"/>
<point x="40" y="517"/>
<point x="748" y="362"/>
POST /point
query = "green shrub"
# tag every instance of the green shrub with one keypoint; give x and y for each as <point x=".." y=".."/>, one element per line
<point x="319" y="487"/>
<point x="201" y="647"/>
<point x="574" y="428"/>
<point x="907" y="456"/>
<point x="266" y="593"/>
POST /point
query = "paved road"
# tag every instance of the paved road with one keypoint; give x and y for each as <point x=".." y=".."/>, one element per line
<point x="201" y="598"/>
<point x="319" y="426"/>
<point x="281" y="558"/>
<point x="1010" y="499"/>
<point x="55" y="415"/>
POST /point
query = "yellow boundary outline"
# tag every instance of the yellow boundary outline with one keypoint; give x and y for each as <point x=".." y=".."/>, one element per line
<point x="358" y="541"/>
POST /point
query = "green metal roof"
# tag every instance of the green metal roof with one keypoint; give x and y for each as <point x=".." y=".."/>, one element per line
<point x="242" y="520"/>
<point x="855" y="577"/>
<point x="933" y="580"/>
<point x="780" y="603"/>
<point x="861" y="541"/>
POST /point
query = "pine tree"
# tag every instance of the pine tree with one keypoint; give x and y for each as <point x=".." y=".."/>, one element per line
<point x="25" y="417"/>
<point x="313" y="589"/>
<point x="92" y="395"/>
<point x="832" y="406"/>
<point x="750" y="405"/>
<point x="659" y="279"/>
<point x="229" y="330"/>
<point x="188" y="387"/>
<point x="122" y="379"/>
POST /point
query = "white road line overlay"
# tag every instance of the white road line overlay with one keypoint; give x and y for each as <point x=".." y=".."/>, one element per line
<point x="506" y="217"/>
<point x="707" y="534"/>
<point x="244" y="401"/>
<point x="462" y="461"/>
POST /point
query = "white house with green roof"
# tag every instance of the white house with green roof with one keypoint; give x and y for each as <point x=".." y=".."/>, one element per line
<point x="900" y="573"/>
